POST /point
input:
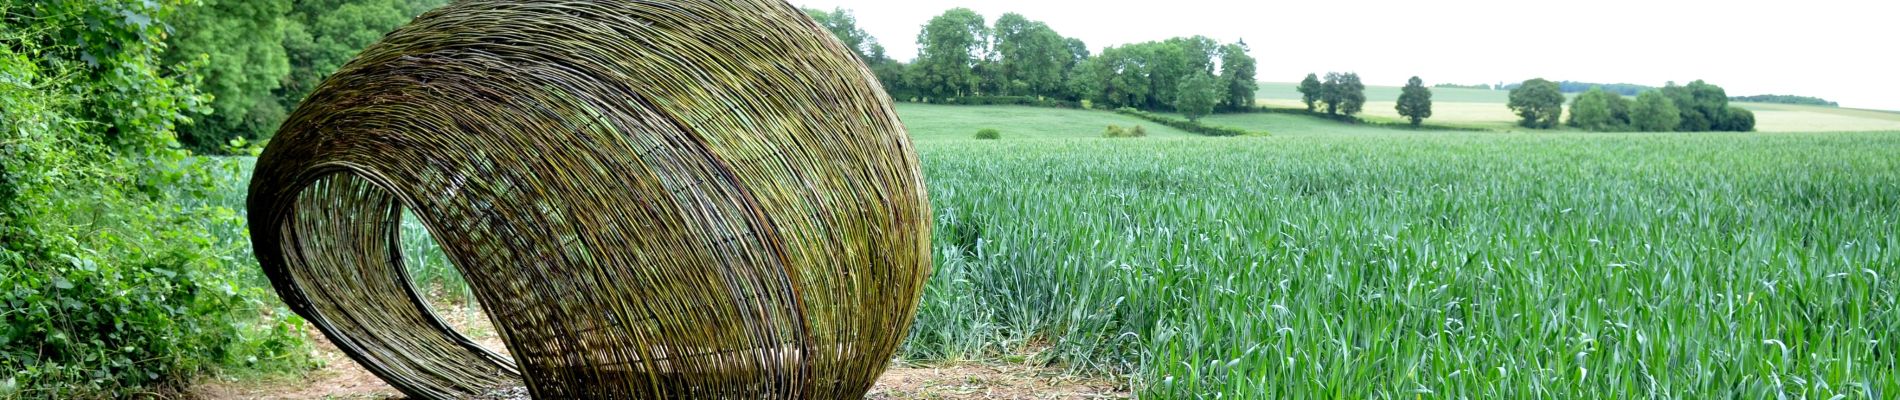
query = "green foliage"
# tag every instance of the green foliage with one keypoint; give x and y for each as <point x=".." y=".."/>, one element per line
<point x="1785" y="99"/>
<point x="1149" y="75"/>
<point x="1032" y="59"/>
<point x="1736" y="119"/>
<point x="1654" y="112"/>
<point x="1601" y="111"/>
<point x="1343" y="94"/>
<point x="1310" y="91"/>
<point x="121" y="270"/>
<point x="239" y="45"/>
<point x="1237" y="70"/>
<point x="1415" y="101"/>
<point x="1197" y="96"/>
<point x="1701" y="103"/>
<point x="1117" y="131"/>
<point x="987" y="133"/>
<point x="1186" y="125"/>
<point x="1538" y="103"/>
<point x="843" y="25"/>
<point x="949" y="50"/>
<point x="321" y="35"/>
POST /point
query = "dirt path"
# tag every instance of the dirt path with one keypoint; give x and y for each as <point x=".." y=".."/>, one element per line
<point x="342" y="379"/>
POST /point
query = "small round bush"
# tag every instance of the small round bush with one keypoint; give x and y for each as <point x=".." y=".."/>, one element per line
<point x="1138" y="131"/>
<point x="987" y="133"/>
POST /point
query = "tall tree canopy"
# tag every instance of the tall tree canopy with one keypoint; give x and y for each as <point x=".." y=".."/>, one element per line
<point x="1032" y="59"/>
<point x="321" y="35"/>
<point x="1654" y="112"/>
<point x="1311" y="90"/>
<point x="1600" y="110"/>
<point x="1343" y="93"/>
<point x="949" y="50"/>
<point x="1538" y="103"/>
<point x="844" y="25"/>
<point x="235" y="46"/>
<point x="1237" y="70"/>
<point x="1197" y="96"/>
<point x="1415" y="101"/>
<point x="1701" y="103"/>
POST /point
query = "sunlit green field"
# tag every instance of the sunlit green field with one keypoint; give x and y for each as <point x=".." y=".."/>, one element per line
<point x="1434" y="265"/>
<point x="930" y="122"/>
<point x="1338" y="261"/>
<point x="1485" y="109"/>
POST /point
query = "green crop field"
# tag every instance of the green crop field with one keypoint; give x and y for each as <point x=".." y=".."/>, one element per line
<point x="930" y="122"/>
<point x="1485" y="109"/>
<point x="1345" y="261"/>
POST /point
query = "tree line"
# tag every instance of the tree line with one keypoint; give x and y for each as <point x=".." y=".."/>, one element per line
<point x="961" y="55"/>
<point x="1785" y="99"/>
<point x="1626" y="89"/>
<point x="1343" y="94"/>
<point x="1696" y="107"/>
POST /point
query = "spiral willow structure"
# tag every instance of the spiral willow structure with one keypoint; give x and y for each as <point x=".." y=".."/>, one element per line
<point x="655" y="198"/>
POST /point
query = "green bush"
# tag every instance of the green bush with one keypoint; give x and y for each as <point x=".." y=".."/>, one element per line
<point x="989" y="134"/>
<point x="124" y="265"/>
<point x="1117" y="131"/>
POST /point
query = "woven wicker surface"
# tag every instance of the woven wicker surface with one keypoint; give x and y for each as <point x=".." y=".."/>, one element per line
<point x="651" y="199"/>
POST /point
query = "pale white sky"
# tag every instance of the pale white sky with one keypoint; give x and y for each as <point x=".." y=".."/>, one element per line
<point x="1843" y="51"/>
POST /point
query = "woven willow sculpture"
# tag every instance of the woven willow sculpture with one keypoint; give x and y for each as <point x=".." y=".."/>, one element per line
<point x="650" y="199"/>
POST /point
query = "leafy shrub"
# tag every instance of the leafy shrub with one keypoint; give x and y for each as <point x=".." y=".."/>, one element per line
<point x="1736" y="119"/>
<point x="989" y="134"/>
<point x="1117" y="131"/>
<point x="121" y="271"/>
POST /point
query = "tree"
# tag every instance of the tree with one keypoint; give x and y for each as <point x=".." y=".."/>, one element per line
<point x="1538" y="102"/>
<point x="1736" y="119"/>
<point x="1415" y="101"/>
<point x="1343" y="93"/>
<point x="844" y="26"/>
<point x="1592" y="111"/>
<point x="1654" y="112"/>
<point x="240" y="45"/>
<point x="949" y="49"/>
<point x="1237" y="70"/>
<point x="1078" y="54"/>
<point x="321" y="35"/>
<point x="1311" y="90"/>
<point x="1197" y="96"/>
<point x="1702" y="105"/>
<point x="1031" y="58"/>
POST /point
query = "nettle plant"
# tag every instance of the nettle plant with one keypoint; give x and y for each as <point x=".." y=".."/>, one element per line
<point x="121" y="271"/>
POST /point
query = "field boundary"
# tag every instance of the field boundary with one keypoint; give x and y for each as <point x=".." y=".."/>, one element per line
<point x="1188" y="125"/>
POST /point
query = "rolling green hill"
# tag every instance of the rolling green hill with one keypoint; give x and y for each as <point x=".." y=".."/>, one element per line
<point x="940" y="122"/>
